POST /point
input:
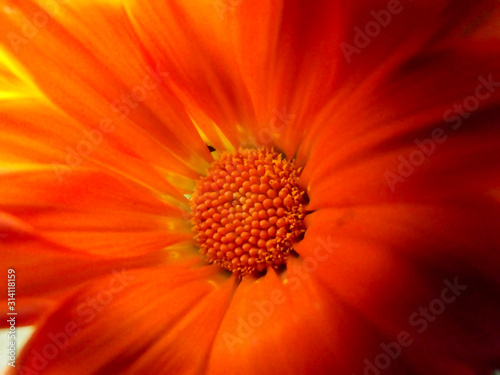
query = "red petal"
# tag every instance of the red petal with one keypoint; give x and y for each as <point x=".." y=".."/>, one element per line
<point x="388" y="262"/>
<point x="361" y="153"/>
<point x="325" y="70"/>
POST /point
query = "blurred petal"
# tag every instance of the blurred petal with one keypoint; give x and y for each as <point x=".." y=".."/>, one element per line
<point x="414" y="117"/>
<point x="403" y="257"/>
<point x="291" y="326"/>
<point x="45" y="271"/>
<point x="166" y="316"/>
<point x="105" y="138"/>
<point x="273" y="73"/>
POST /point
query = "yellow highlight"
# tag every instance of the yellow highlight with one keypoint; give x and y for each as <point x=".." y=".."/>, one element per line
<point x="15" y="78"/>
<point x="24" y="167"/>
<point x="227" y="144"/>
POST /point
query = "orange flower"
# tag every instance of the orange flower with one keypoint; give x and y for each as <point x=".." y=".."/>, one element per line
<point x="365" y="243"/>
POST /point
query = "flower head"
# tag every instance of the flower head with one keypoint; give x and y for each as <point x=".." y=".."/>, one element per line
<point x="252" y="187"/>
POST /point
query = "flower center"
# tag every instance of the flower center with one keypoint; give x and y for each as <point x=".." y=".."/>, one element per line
<point x="248" y="211"/>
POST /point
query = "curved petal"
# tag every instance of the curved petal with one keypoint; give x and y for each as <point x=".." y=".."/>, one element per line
<point x="157" y="320"/>
<point x="45" y="135"/>
<point x="45" y="271"/>
<point x="102" y="83"/>
<point x="190" y="40"/>
<point x="291" y="326"/>
<point x="91" y="212"/>
<point x="428" y="133"/>
<point x="84" y="188"/>
<point x="383" y="266"/>
<point x="60" y="234"/>
<point x="344" y="52"/>
<point x="273" y="72"/>
<point x="426" y="270"/>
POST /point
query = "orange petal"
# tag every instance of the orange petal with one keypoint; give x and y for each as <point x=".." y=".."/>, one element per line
<point x="62" y="234"/>
<point x="191" y="42"/>
<point x="45" y="271"/>
<point x="173" y="312"/>
<point x="293" y="56"/>
<point x="93" y="213"/>
<point x="101" y="82"/>
<point x="294" y="326"/>
<point x="67" y="145"/>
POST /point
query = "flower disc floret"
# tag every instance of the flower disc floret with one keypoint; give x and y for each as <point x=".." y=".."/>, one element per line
<point x="248" y="211"/>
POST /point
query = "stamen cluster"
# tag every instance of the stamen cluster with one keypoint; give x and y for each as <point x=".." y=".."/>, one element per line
<point x="248" y="211"/>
